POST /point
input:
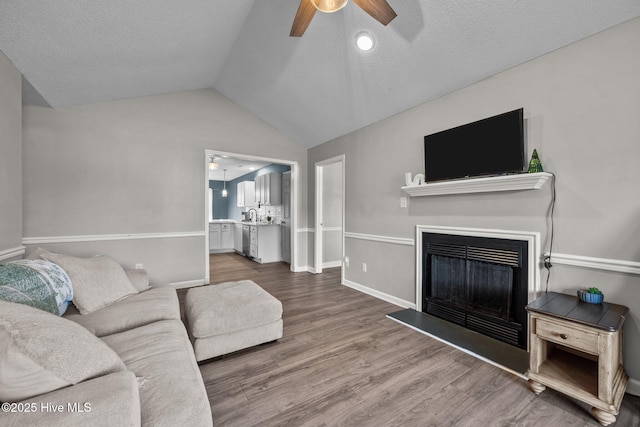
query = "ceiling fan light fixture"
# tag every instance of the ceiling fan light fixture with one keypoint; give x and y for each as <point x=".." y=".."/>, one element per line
<point x="212" y="164"/>
<point x="365" y="41"/>
<point x="329" y="6"/>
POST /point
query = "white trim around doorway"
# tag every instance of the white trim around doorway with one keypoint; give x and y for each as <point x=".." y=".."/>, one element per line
<point x="295" y="181"/>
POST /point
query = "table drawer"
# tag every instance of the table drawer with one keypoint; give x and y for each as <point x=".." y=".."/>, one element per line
<point x="571" y="337"/>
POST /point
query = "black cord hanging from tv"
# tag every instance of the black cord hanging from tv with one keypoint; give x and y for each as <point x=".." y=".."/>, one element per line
<point x="547" y="258"/>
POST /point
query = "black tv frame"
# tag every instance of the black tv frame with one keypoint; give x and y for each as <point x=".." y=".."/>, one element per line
<point x="472" y="140"/>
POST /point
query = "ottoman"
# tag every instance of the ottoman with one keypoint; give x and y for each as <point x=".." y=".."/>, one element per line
<point x="231" y="316"/>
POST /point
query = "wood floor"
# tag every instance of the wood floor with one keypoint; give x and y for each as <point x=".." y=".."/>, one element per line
<point x="341" y="362"/>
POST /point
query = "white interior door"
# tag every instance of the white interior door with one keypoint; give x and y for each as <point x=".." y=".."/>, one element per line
<point x="329" y="214"/>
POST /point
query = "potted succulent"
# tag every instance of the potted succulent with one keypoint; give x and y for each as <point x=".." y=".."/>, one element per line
<point x="592" y="295"/>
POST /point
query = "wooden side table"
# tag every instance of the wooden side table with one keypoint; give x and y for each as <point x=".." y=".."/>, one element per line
<point x="576" y="349"/>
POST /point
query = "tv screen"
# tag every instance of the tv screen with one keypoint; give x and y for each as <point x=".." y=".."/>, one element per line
<point x="491" y="146"/>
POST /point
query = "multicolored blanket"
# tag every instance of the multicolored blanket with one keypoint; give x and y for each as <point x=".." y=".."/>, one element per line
<point x="38" y="283"/>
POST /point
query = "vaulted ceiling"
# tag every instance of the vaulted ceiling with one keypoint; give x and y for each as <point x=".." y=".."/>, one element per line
<point x="312" y="89"/>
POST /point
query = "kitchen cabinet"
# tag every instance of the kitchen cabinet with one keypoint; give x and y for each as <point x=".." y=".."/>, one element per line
<point x="259" y="187"/>
<point x="214" y="237"/>
<point x="226" y="238"/>
<point x="268" y="189"/>
<point x="253" y="242"/>
<point x="237" y="238"/>
<point x="220" y="237"/>
<point x="245" y="194"/>
<point x="286" y="217"/>
<point x="265" y="243"/>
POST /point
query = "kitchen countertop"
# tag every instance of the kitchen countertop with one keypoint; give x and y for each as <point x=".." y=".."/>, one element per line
<point x="232" y="221"/>
<point x="260" y="224"/>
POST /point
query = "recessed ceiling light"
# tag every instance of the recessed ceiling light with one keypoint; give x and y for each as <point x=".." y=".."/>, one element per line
<point x="365" y="41"/>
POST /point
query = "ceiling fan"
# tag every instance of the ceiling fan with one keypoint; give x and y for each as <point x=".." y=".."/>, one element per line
<point x="378" y="9"/>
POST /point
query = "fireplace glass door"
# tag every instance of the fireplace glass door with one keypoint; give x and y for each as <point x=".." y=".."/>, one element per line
<point x="478" y="283"/>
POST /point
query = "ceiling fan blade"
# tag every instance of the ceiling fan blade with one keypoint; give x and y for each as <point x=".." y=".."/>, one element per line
<point x="305" y="13"/>
<point x="378" y="9"/>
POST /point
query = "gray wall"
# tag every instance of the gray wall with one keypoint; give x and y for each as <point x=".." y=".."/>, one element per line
<point x="581" y="109"/>
<point x="10" y="158"/>
<point x="137" y="166"/>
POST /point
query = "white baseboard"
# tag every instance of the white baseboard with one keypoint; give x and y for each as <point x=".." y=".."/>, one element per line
<point x="633" y="387"/>
<point x="304" y="269"/>
<point x="310" y="269"/>
<point x="380" y="295"/>
<point x="223" y="251"/>
<point x="12" y="253"/>
<point x="332" y="264"/>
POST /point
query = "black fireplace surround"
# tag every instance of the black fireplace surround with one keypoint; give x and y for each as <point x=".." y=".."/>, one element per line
<point x="477" y="282"/>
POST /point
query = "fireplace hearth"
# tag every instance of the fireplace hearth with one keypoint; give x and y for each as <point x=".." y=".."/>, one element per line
<point x="480" y="283"/>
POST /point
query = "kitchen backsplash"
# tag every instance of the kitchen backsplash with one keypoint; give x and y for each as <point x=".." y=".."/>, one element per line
<point x="275" y="212"/>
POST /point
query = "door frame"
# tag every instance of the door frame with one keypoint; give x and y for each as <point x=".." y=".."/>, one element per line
<point x="295" y="172"/>
<point x="319" y="203"/>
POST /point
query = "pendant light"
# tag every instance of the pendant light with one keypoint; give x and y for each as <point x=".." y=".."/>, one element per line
<point x="224" y="190"/>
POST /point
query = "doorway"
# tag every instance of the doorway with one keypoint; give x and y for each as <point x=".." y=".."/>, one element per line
<point x="292" y="206"/>
<point x="329" y="213"/>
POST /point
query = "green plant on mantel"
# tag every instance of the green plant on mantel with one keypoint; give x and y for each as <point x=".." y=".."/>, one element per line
<point x="594" y="291"/>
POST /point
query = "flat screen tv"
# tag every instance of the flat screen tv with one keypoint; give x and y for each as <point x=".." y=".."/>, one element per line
<point x="491" y="146"/>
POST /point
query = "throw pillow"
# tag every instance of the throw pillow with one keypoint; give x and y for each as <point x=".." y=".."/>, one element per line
<point x="97" y="281"/>
<point x="139" y="278"/>
<point x="41" y="352"/>
<point x="37" y="254"/>
<point x="38" y="283"/>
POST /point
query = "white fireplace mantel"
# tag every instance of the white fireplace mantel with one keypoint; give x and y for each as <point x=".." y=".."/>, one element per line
<point x="523" y="181"/>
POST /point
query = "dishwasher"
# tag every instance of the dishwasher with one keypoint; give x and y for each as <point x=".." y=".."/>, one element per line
<point x="246" y="240"/>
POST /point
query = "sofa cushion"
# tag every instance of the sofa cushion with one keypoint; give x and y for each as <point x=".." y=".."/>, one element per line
<point x="38" y="283"/>
<point x="111" y="400"/>
<point x="131" y="312"/>
<point x="97" y="281"/>
<point x="41" y="352"/>
<point x="172" y="391"/>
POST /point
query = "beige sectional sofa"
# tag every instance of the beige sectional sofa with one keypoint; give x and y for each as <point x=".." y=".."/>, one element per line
<point x="129" y="363"/>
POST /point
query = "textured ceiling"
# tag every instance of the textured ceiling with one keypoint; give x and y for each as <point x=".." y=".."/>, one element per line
<point x="313" y="89"/>
<point x="235" y="168"/>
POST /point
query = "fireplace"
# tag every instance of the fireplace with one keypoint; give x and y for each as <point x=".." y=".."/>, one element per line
<point x="480" y="280"/>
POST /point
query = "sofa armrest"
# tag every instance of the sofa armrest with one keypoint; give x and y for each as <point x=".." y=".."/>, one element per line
<point x="139" y="278"/>
<point x="111" y="400"/>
